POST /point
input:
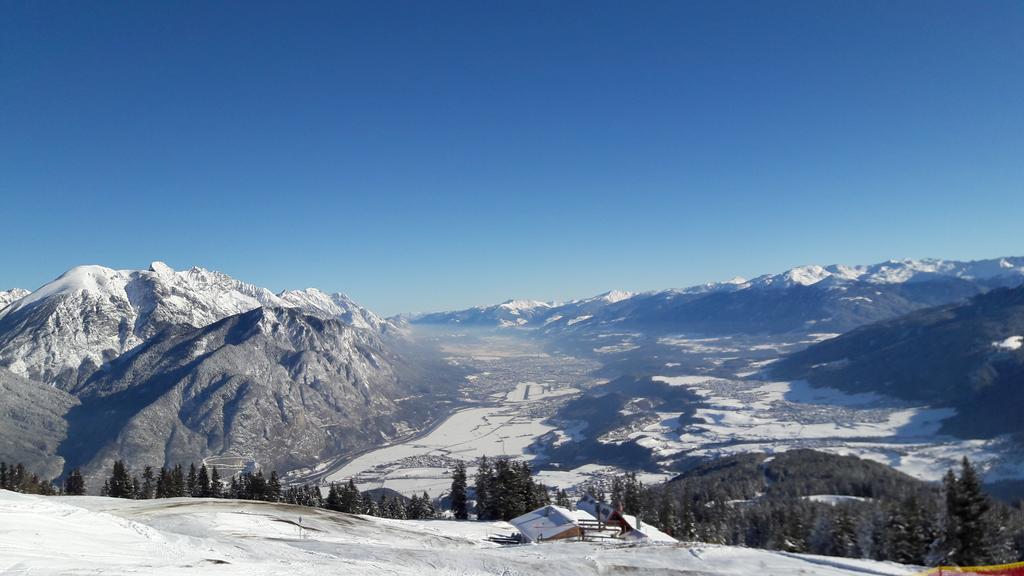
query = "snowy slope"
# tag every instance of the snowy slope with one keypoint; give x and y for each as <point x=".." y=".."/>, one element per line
<point x="89" y="535"/>
<point x="64" y="331"/>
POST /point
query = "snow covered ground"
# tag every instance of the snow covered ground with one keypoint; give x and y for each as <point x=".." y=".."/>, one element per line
<point x="759" y="416"/>
<point x="92" y="535"/>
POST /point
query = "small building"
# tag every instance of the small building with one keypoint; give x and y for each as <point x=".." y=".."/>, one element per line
<point x="550" y="523"/>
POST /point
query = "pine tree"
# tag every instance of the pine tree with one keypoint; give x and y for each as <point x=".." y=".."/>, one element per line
<point x="164" y="483"/>
<point x="120" y="484"/>
<point x="191" y="482"/>
<point x="178" y="486"/>
<point x="844" y="534"/>
<point x="147" y="489"/>
<point x="968" y="533"/>
<point x="429" y="511"/>
<point x="368" y="506"/>
<point x="203" y="482"/>
<point x="687" y="521"/>
<point x="413" y="508"/>
<point x="348" y="498"/>
<point x="216" y="489"/>
<point x="273" y="491"/>
<point x="75" y="483"/>
<point x="484" y="480"/>
<point x="459" y="502"/>
<point x="19" y="478"/>
<point x="333" y="498"/>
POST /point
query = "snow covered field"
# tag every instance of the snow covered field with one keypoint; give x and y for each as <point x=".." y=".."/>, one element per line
<point x="92" y="535"/>
<point x="759" y="416"/>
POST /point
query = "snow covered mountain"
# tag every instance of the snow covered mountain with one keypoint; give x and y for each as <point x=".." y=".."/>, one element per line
<point x="272" y="386"/>
<point x="508" y="314"/>
<point x="66" y="330"/>
<point x="832" y="298"/>
<point x="160" y="366"/>
<point x="8" y="296"/>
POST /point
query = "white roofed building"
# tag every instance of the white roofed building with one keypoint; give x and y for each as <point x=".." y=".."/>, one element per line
<point x="550" y="523"/>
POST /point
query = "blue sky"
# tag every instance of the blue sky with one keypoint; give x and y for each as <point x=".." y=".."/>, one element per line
<point x="434" y="155"/>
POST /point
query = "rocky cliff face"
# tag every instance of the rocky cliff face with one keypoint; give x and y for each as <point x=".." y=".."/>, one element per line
<point x="273" y="387"/>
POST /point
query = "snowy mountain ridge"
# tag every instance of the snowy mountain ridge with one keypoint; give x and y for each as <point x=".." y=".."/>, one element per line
<point x="70" y="327"/>
<point x="8" y="296"/>
<point x="901" y="282"/>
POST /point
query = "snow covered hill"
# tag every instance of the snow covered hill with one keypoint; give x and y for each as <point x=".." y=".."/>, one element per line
<point x="89" y="535"/>
<point x="66" y="330"/>
<point x="832" y="298"/>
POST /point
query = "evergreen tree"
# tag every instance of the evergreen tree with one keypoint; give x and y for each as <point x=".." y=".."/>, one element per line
<point x="333" y="498"/>
<point x="120" y="484"/>
<point x="216" y="489"/>
<point x="75" y="483"/>
<point x="429" y="511"/>
<point x="414" y="508"/>
<point x="348" y="498"/>
<point x="203" y="482"/>
<point x="147" y="489"/>
<point x="192" y="482"/>
<point x="177" y="485"/>
<point x="368" y="506"/>
<point x="19" y="478"/>
<point x="164" y="484"/>
<point x="484" y="479"/>
<point x="273" y="491"/>
<point x="459" y="503"/>
<point x="908" y="532"/>
<point x="843" y="540"/>
<point x="968" y="533"/>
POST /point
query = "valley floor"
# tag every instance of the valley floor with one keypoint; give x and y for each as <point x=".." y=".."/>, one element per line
<point x="92" y="535"/>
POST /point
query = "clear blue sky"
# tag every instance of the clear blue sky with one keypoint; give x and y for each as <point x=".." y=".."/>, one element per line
<point x="432" y="155"/>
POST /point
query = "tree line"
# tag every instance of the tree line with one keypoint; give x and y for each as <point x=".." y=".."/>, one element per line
<point x="17" y="478"/>
<point x="203" y="482"/>
<point x="956" y="523"/>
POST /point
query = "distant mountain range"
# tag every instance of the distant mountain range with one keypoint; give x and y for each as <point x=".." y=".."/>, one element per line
<point x="159" y="366"/>
<point x="807" y="299"/>
<point x="968" y="356"/>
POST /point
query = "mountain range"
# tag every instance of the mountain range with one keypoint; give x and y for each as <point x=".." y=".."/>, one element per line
<point x="160" y="367"/>
<point x="833" y="299"/>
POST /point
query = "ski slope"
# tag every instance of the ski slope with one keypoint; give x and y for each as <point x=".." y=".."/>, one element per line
<point x="93" y="535"/>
